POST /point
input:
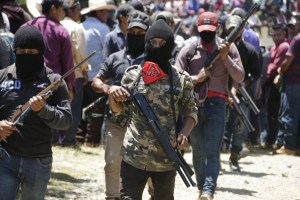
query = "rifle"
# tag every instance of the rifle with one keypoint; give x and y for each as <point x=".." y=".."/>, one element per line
<point x="242" y="114"/>
<point x="19" y="114"/>
<point x="248" y="99"/>
<point x="175" y="157"/>
<point x="178" y="28"/>
<point x="87" y="111"/>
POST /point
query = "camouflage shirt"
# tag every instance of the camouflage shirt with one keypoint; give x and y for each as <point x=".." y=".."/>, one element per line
<point x="140" y="147"/>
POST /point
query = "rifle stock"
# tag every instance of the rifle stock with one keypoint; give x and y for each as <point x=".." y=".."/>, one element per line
<point x="175" y="157"/>
<point x="22" y="110"/>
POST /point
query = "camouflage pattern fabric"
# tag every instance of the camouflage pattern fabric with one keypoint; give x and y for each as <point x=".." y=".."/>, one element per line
<point x="120" y="120"/>
<point x="140" y="147"/>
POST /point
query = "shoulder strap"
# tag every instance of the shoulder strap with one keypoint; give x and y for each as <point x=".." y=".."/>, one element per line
<point x="172" y="100"/>
<point x="191" y="53"/>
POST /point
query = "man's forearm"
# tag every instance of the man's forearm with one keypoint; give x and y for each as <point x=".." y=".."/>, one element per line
<point x="116" y="107"/>
<point x="99" y="85"/>
<point x="188" y="125"/>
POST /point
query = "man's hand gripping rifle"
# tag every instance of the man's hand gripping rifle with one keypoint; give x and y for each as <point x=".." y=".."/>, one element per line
<point x="174" y="156"/>
<point x="20" y="113"/>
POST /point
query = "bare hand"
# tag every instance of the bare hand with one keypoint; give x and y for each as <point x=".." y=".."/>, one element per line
<point x="224" y="50"/>
<point x="37" y="103"/>
<point x="234" y="93"/>
<point x="202" y="75"/>
<point x="6" y="129"/>
<point x="182" y="141"/>
<point x="277" y="80"/>
<point x="118" y="93"/>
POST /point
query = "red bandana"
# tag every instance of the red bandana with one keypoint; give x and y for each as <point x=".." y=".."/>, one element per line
<point x="152" y="72"/>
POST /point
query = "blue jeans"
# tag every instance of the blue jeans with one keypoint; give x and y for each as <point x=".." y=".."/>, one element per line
<point x="76" y="106"/>
<point x="206" y="139"/>
<point x="32" y="174"/>
<point x="263" y="125"/>
<point x="290" y="115"/>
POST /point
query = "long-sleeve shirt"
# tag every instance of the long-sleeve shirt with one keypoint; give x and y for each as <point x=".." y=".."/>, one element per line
<point x="58" y="53"/>
<point x="292" y="75"/>
<point x="250" y="61"/>
<point x="114" y="41"/>
<point x="36" y="127"/>
<point x="277" y="53"/>
<point x="140" y="147"/>
<point x="218" y="81"/>
<point x="95" y="32"/>
<point x="79" y="47"/>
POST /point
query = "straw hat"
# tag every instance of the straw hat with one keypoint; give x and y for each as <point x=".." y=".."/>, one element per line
<point x="97" y="5"/>
<point x="34" y="7"/>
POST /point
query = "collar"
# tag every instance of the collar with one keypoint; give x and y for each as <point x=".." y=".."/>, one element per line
<point x="131" y="60"/>
<point x="68" y="18"/>
<point x="48" y="18"/>
<point x="94" y="19"/>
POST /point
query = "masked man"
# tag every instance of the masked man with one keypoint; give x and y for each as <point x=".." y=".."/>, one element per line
<point x="159" y="82"/>
<point x="26" y="155"/>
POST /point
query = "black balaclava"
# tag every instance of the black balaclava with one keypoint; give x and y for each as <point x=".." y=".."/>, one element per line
<point x="207" y="36"/>
<point x="160" y="55"/>
<point x="29" y="65"/>
<point x="135" y="44"/>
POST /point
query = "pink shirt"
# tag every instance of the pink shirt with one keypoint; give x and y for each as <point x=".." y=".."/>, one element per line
<point x="277" y="53"/>
<point x="220" y="71"/>
<point x="58" y="53"/>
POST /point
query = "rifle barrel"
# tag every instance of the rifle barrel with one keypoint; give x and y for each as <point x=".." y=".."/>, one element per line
<point x="73" y="68"/>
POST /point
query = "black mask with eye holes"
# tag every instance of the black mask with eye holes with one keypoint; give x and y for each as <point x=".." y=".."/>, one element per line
<point x="160" y="55"/>
<point x="207" y="36"/>
<point x="135" y="44"/>
<point x="29" y="65"/>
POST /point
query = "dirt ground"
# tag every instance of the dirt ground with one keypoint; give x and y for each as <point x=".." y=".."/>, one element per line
<point x="79" y="175"/>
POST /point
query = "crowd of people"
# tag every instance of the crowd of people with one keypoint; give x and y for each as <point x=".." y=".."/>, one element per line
<point x="247" y="95"/>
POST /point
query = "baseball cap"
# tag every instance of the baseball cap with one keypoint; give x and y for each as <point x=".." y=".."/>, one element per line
<point x="168" y="16"/>
<point x="207" y="21"/>
<point x="137" y="5"/>
<point x="70" y="3"/>
<point x="232" y="22"/>
<point x="239" y="12"/>
<point x="124" y="9"/>
<point x="138" y="19"/>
